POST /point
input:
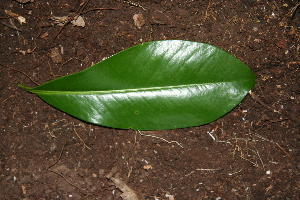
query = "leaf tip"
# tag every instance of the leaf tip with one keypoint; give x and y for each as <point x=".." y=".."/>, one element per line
<point x="25" y="87"/>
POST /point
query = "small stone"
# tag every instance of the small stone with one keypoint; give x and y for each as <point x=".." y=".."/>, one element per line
<point x="101" y="173"/>
<point x="139" y="20"/>
<point x="55" y="55"/>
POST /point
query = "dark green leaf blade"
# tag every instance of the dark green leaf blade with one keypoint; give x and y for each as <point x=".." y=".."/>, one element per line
<point x="156" y="85"/>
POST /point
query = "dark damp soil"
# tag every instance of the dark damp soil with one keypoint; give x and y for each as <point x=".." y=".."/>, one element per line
<point x="251" y="153"/>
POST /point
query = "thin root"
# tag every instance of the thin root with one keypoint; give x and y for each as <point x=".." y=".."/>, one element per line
<point x="81" y="139"/>
<point x="162" y="139"/>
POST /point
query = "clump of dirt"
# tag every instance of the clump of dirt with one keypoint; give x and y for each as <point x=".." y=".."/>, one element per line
<point x="251" y="153"/>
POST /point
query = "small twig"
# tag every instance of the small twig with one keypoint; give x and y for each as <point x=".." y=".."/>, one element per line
<point x="63" y="26"/>
<point x="11" y="96"/>
<point x="177" y="36"/>
<point x="269" y="122"/>
<point x="112" y="172"/>
<point x="207" y="169"/>
<point x="162" y="139"/>
<point x="21" y="73"/>
<point x="293" y="10"/>
<point x="202" y="170"/>
<point x="93" y="9"/>
<point x="72" y="59"/>
<point x="72" y="184"/>
<point x="84" y="5"/>
<point x="206" y="12"/>
<point x="283" y="150"/>
<point x="70" y="19"/>
<point x="230" y="174"/>
<point x="79" y="12"/>
<point x="29" y="51"/>
<point x="12" y="26"/>
<point x="255" y="97"/>
<point x="59" y="157"/>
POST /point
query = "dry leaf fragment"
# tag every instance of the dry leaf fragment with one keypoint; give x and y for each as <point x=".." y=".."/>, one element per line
<point x="79" y="21"/>
<point x="60" y="20"/>
<point x="23" y="52"/>
<point x="112" y="172"/>
<point x="128" y="193"/>
<point x="285" y="5"/>
<point x="146" y="167"/>
<point x="20" y="18"/>
<point x="170" y="197"/>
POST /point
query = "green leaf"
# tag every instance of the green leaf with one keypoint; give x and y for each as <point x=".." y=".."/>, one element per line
<point x="155" y="85"/>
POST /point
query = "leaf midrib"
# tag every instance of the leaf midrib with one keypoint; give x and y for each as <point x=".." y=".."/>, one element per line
<point x="127" y="90"/>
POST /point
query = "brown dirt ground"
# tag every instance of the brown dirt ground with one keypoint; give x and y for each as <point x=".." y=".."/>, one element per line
<point x="251" y="153"/>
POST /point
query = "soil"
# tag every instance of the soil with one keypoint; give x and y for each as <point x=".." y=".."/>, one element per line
<point x="250" y="153"/>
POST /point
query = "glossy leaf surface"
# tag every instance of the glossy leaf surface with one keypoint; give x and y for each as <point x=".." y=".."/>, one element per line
<point x="155" y="85"/>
